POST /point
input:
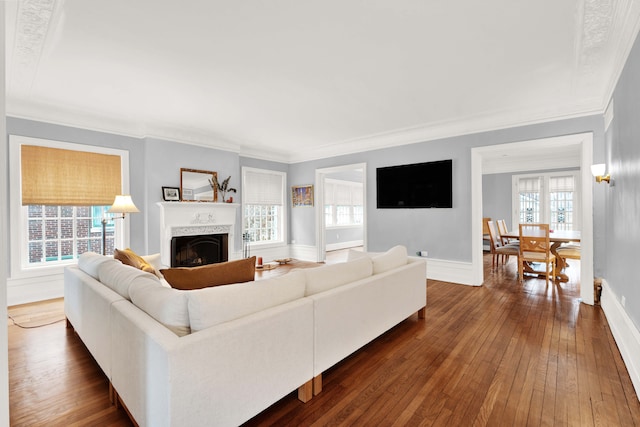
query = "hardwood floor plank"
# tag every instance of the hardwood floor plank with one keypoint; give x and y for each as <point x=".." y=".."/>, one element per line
<point x="502" y="354"/>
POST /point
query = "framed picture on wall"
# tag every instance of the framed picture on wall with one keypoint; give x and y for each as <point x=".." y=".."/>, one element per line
<point x="171" y="194"/>
<point x="302" y="195"/>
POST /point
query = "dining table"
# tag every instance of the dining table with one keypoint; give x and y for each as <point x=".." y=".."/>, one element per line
<point x="556" y="238"/>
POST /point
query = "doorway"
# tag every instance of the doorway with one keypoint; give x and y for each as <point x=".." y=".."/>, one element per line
<point x="548" y="153"/>
<point x="344" y="229"/>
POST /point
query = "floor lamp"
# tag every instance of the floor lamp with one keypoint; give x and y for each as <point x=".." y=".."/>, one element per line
<point x="121" y="205"/>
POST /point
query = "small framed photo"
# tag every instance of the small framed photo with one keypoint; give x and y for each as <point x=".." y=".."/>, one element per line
<point x="302" y="195"/>
<point x="171" y="194"/>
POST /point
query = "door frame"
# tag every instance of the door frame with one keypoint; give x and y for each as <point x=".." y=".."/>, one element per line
<point x="321" y="175"/>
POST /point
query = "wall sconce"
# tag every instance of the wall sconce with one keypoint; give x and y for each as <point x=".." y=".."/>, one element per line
<point x="121" y="204"/>
<point x="598" y="171"/>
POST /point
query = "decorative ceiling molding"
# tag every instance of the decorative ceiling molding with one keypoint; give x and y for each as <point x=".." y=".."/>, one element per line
<point x="33" y="18"/>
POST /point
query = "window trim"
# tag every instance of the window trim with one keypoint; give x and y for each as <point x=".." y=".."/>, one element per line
<point x="545" y="212"/>
<point x="283" y="220"/>
<point x="18" y="267"/>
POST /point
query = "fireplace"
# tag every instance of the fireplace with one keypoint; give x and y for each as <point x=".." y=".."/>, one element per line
<point x="192" y="251"/>
<point x="209" y="227"/>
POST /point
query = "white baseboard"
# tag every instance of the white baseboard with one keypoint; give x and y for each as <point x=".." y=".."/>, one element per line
<point x="344" y="245"/>
<point x="625" y="333"/>
<point x="450" y="271"/>
<point x="269" y="254"/>
<point x="26" y="290"/>
<point x="303" y="252"/>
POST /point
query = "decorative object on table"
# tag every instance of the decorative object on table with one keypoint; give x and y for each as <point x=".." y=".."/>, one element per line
<point x="171" y="194"/>
<point x="282" y="261"/>
<point x="222" y="188"/>
<point x="259" y="262"/>
<point x="122" y="204"/>
<point x="246" y="250"/>
<point x="195" y="187"/>
<point x="267" y="266"/>
<point x="302" y="195"/>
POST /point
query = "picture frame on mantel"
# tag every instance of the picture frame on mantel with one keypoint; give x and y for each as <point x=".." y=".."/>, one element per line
<point x="302" y="195"/>
<point x="171" y="194"/>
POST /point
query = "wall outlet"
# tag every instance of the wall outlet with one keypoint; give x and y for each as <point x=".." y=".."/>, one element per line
<point x="422" y="253"/>
<point x="623" y="300"/>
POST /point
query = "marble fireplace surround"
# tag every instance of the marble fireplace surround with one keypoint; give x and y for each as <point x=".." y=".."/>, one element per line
<point x="193" y="219"/>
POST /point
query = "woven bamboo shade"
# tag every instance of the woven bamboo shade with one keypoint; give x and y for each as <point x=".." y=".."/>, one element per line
<point x="53" y="176"/>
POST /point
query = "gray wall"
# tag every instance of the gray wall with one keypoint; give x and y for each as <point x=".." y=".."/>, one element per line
<point x="445" y="233"/>
<point x="496" y="197"/>
<point x="621" y="200"/>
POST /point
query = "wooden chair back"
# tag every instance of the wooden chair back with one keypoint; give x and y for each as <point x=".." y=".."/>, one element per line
<point x="534" y="238"/>
<point x="535" y="247"/>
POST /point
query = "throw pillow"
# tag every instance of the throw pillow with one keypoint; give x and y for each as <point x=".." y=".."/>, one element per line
<point x="223" y="273"/>
<point x="128" y="257"/>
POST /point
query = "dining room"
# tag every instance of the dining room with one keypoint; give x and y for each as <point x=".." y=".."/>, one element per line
<point x="539" y="182"/>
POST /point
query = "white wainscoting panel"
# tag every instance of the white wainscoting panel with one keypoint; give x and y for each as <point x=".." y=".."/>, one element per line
<point x="450" y="271"/>
<point x="624" y="332"/>
<point x="32" y="289"/>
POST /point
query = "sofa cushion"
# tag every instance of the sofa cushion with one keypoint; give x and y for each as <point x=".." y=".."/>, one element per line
<point x="128" y="257"/>
<point x="330" y="276"/>
<point x="223" y="273"/>
<point x="212" y="306"/>
<point x="118" y="277"/>
<point x="90" y="262"/>
<point x="166" y="305"/>
<point x="393" y="258"/>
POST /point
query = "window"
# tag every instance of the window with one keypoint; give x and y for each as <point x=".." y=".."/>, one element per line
<point x="263" y="193"/>
<point x="550" y="198"/>
<point x="49" y="234"/>
<point x="60" y="233"/>
<point x="343" y="203"/>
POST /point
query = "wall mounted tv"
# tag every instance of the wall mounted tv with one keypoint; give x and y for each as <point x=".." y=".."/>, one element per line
<point x="418" y="185"/>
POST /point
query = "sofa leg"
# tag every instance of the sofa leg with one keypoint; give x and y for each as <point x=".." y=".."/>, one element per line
<point x="305" y="391"/>
<point x="317" y="385"/>
<point x="422" y="312"/>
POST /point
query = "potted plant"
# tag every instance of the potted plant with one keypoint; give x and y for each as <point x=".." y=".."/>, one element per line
<point x="223" y="187"/>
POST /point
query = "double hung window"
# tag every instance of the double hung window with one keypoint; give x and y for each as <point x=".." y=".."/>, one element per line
<point x="263" y="193"/>
<point x="59" y="195"/>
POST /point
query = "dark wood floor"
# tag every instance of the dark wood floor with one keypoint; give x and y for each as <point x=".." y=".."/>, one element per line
<point x="501" y="354"/>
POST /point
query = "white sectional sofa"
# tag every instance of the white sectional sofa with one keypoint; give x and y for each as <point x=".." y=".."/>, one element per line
<point x="220" y="355"/>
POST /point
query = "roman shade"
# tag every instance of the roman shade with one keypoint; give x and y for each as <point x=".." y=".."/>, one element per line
<point x="262" y="188"/>
<point x="54" y="176"/>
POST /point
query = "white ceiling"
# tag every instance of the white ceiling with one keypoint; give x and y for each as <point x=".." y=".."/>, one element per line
<point x="294" y="80"/>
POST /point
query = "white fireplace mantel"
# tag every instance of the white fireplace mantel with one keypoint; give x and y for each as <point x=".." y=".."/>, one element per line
<point x="195" y="218"/>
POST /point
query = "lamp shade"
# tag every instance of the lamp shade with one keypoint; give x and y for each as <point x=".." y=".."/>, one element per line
<point x="123" y="204"/>
<point x="598" y="170"/>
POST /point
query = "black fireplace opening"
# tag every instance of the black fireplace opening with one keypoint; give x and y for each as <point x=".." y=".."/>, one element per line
<point x="192" y="251"/>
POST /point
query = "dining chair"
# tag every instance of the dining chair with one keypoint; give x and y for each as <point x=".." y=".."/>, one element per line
<point x="502" y="229"/>
<point x="497" y="248"/>
<point x="570" y="250"/>
<point x="535" y="247"/>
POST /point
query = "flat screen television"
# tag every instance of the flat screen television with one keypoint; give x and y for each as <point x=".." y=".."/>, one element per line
<point x="418" y="185"/>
